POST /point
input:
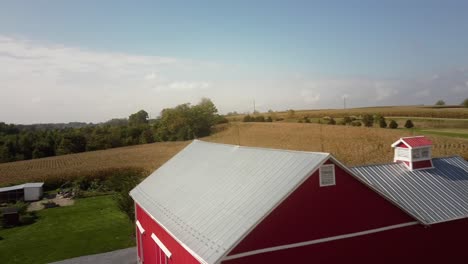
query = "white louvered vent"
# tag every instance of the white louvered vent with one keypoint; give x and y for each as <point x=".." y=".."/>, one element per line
<point x="327" y="175"/>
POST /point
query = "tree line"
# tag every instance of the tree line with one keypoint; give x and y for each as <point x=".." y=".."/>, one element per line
<point x="183" y="122"/>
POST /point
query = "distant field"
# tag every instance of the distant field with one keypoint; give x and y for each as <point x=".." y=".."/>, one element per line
<point x="352" y="145"/>
<point x="147" y="157"/>
<point x="92" y="225"/>
<point x="388" y="111"/>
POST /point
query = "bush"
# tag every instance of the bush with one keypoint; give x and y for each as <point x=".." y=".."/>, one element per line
<point x="465" y="103"/>
<point x="269" y="119"/>
<point x="247" y="118"/>
<point x="331" y="121"/>
<point x="259" y="118"/>
<point x="393" y="124"/>
<point x="356" y="123"/>
<point x="440" y="102"/>
<point x="368" y="120"/>
<point x="409" y="124"/>
<point x="347" y="120"/>
<point x="123" y="184"/>
<point x="382" y="122"/>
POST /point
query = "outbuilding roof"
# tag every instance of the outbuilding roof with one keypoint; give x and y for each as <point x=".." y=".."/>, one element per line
<point x="432" y="195"/>
<point x="21" y="186"/>
<point x="413" y="142"/>
<point x="209" y="196"/>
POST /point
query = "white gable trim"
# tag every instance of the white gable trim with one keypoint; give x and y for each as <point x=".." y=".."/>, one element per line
<point x="161" y="245"/>
<point x="140" y="228"/>
<point x="319" y="241"/>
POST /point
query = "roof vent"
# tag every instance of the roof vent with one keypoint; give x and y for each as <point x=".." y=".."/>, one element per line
<point x="414" y="152"/>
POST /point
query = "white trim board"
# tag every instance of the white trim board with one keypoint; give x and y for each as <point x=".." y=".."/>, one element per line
<point x="140" y="228"/>
<point x="318" y="241"/>
<point x="161" y="245"/>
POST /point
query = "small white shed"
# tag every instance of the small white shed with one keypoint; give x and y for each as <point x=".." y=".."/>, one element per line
<point x="26" y="192"/>
<point x="33" y="191"/>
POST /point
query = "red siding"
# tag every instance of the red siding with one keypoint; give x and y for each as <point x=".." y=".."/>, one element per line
<point x="422" y="164"/>
<point x="441" y="243"/>
<point x="150" y="249"/>
<point x="314" y="212"/>
<point x="402" y="145"/>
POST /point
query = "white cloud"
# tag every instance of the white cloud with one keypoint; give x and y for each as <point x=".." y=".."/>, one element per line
<point x="87" y="85"/>
<point x="57" y="83"/>
<point x="309" y="96"/>
<point x="422" y="93"/>
<point x="384" y="91"/>
<point x="151" y="76"/>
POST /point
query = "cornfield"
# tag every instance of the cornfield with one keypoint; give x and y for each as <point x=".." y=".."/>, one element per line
<point x="351" y="145"/>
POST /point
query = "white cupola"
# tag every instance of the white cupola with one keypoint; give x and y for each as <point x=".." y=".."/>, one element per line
<point x="414" y="152"/>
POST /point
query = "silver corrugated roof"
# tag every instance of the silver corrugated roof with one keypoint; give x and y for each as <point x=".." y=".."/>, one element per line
<point x="431" y="195"/>
<point x="12" y="188"/>
<point x="21" y="186"/>
<point x="33" y="184"/>
<point x="209" y="196"/>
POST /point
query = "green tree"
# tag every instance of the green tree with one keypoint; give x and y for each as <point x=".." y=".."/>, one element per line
<point x="393" y="124"/>
<point x="147" y="136"/>
<point x="382" y="122"/>
<point x="368" y="120"/>
<point x="122" y="184"/>
<point x="138" y="118"/>
<point x="347" y="120"/>
<point x="409" y="124"/>
<point x="465" y="103"/>
<point x="73" y="142"/>
<point x="440" y="103"/>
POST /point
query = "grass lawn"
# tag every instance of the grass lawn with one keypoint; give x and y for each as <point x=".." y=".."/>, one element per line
<point x="93" y="225"/>
<point x="457" y="133"/>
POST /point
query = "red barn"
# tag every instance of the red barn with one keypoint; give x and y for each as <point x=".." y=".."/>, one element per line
<point x="216" y="203"/>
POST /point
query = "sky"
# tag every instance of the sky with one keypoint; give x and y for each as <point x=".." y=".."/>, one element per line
<point x="90" y="61"/>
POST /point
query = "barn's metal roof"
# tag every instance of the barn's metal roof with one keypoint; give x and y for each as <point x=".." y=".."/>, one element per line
<point x="431" y="195"/>
<point x="21" y="186"/>
<point x="209" y="196"/>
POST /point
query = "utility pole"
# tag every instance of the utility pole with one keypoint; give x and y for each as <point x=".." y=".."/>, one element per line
<point x="344" y="102"/>
<point x="254" y="107"/>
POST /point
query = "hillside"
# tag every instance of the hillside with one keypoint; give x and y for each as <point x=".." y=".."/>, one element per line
<point x="352" y="145"/>
<point x="456" y="112"/>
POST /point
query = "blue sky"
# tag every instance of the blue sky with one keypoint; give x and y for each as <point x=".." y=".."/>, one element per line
<point x="115" y="57"/>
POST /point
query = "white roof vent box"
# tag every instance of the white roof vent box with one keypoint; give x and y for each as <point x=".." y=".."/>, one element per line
<point x="414" y="152"/>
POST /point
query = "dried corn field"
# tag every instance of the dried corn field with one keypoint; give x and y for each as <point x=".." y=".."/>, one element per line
<point x="147" y="157"/>
<point x="352" y="145"/>
<point x="387" y="111"/>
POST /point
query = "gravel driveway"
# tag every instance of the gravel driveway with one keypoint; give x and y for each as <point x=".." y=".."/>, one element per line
<point x="122" y="256"/>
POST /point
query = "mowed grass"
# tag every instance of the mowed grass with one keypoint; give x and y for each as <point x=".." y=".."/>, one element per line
<point x="352" y="145"/>
<point x="457" y="133"/>
<point x="92" y="225"/>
